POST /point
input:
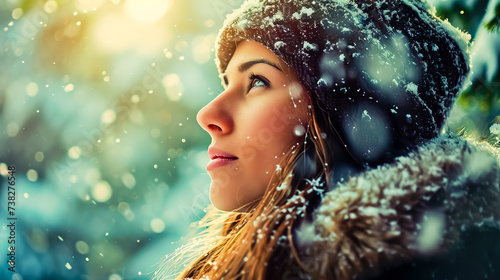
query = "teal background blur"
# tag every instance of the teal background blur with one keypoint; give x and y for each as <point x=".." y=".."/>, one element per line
<point x="98" y="103"/>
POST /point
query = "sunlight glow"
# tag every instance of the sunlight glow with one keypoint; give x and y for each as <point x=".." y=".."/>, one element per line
<point x="116" y="33"/>
<point x="145" y="10"/>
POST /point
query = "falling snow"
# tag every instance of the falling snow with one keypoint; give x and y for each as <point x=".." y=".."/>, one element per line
<point x="412" y="87"/>
<point x="495" y="129"/>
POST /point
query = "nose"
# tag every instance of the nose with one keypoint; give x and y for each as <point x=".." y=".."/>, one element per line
<point x="215" y="117"/>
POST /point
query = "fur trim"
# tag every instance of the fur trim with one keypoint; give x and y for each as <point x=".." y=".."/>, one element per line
<point x="414" y="207"/>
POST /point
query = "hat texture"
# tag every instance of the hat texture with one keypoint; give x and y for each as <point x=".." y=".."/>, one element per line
<point x="383" y="72"/>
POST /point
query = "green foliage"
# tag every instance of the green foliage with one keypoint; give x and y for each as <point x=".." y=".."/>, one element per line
<point x="480" y="100"/>
<point x="494" y="24"/>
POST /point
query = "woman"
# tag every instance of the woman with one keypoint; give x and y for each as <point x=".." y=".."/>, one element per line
<point x="327" y="151"/>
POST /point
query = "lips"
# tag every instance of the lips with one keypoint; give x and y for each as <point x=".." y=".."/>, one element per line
<point x="219" y="158"/>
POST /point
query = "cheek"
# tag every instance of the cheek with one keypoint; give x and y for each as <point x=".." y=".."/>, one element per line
<point x="268" y="132"/>
<point x="273" y="133"/>
<point x="278" y="121"/>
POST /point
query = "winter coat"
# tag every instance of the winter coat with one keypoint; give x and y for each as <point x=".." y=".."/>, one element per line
<point x="433" y="214"/>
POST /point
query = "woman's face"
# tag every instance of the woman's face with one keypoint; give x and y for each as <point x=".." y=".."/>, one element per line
<point x="260" y="116"/>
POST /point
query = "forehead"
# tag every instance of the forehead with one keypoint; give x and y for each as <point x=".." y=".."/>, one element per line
<point x="251" y="50"/>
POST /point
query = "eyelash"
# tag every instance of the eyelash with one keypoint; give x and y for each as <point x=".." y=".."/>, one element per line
<point x="254" y="78"/>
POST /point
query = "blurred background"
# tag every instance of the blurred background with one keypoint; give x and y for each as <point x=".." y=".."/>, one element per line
<point x="98" y="103"/>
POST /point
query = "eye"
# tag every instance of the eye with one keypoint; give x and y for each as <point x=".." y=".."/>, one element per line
<point x="224" y="80"/>
<point x="258" y="81"/>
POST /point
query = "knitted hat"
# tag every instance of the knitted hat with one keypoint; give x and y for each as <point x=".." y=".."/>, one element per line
<point x="384" y="72"/>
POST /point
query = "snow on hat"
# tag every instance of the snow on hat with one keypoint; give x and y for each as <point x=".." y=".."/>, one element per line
<point x="384" y="72"/>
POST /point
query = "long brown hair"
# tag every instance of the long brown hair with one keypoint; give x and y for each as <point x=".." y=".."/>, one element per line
<point x="248" y="245"/>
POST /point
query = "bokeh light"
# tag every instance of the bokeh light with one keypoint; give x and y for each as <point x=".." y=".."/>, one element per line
<point x="101" y="191"/>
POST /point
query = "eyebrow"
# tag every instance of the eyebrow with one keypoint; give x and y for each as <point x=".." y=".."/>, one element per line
<point x="247" y="65"/>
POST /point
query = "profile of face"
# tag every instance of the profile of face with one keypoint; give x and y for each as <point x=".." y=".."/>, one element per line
<point x="260" y="116"/>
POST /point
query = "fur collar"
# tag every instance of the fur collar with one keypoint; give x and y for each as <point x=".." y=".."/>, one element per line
<point x="415" y="207"/>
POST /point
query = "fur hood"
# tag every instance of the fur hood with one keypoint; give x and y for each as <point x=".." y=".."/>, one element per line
<point x="416" y="208"/>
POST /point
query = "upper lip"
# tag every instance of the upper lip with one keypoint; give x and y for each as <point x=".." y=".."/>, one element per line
<point x="214" y="153"/>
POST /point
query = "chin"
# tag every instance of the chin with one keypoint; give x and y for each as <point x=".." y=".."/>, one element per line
<point x="217" y="199"/>
<point x="227" y="204"/>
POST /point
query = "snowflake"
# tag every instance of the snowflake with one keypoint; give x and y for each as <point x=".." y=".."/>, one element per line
<point x="282" y="186"/>
<point x="316" y="184"/>
<point x="278" y="168"/>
